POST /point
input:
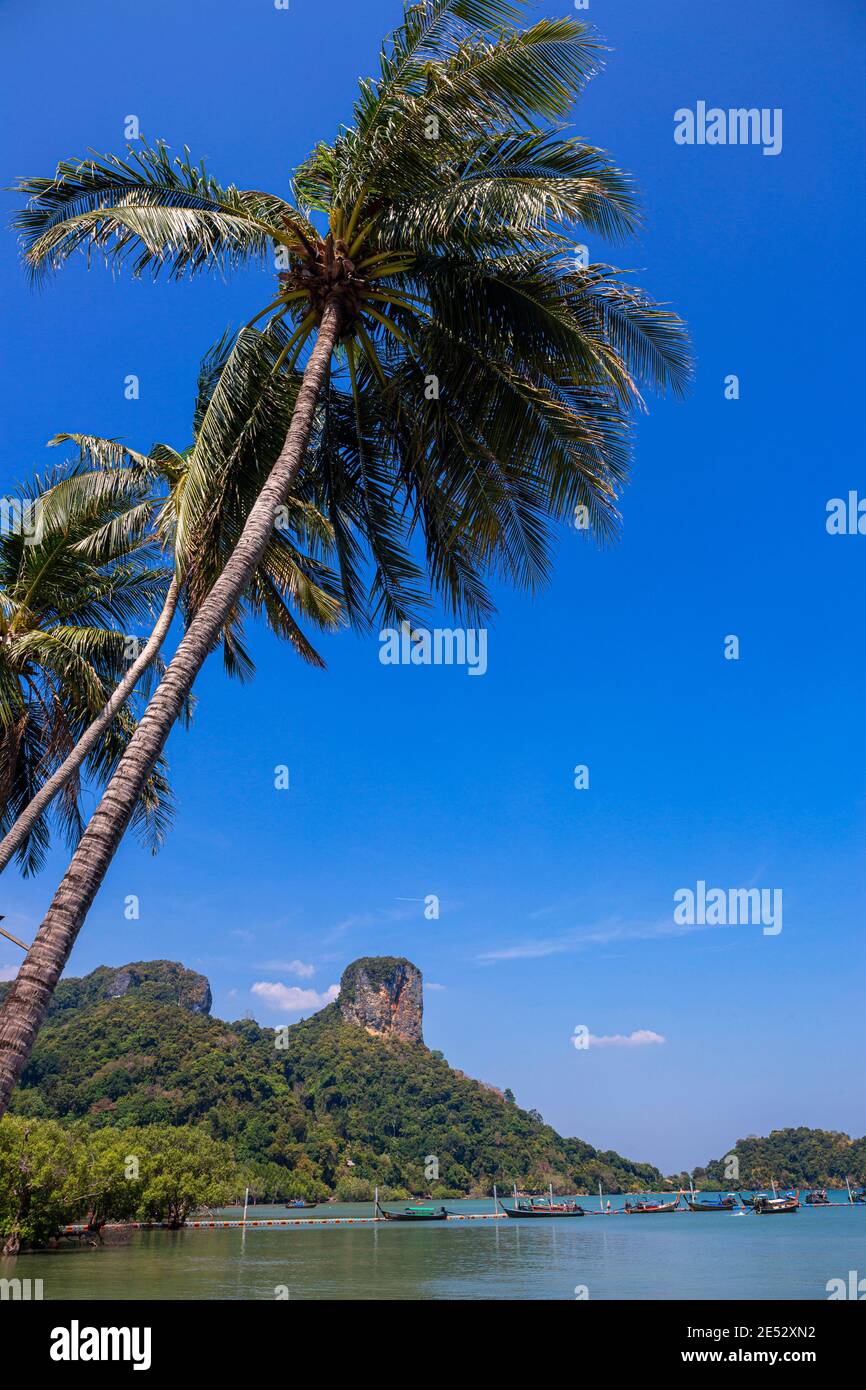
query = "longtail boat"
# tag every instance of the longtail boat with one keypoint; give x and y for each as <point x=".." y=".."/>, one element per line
<point x="776" y="1206"/>
<point x="414" y="1214"/>
<point x="300" y="1205"/>
<point x="859" y="1196"/>
<point x="723" y="1204"/>
<point x="817" y="1198"/>
<point x="542" y="1208"/>
<point x="650" y="1208"/>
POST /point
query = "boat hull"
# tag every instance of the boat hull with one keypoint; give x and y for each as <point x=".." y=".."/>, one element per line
<point x="650" y="1210"/>
<point x="647" y="1211"/>
<point x="547" y="1215"/>
<point x="410" y="1216"/>
<point x="711" y="1206"/>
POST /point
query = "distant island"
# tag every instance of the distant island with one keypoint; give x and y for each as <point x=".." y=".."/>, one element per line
<point x="789" y="1157"/>
<point x="344" y="1101"/>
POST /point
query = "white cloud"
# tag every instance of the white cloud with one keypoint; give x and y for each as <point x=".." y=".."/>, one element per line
<point x="432" y="985"/>
<point x="290" y="999"/>
<point x="642" y="1037"/>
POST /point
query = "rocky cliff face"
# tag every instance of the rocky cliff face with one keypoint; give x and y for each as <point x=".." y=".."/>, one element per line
<point x="163" y="981"/>
<point x="159" y="981"/>
<point x="383" y="994"/>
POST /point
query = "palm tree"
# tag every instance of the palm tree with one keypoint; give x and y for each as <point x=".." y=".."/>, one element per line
<point x="234" y="413"/>
<point x="71" y="584"/>
<point x="428" y="257"/>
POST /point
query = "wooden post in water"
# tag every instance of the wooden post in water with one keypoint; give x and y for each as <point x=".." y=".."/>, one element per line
<point x="848" y="1185"/>
<point x="246" y="1204"/>
<point x="376" y="1203"/>
<point x="600" y="1198"/>
<point x="495" y="1201"/>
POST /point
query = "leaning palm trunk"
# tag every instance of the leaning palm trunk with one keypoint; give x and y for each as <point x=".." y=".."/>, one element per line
<point x="27" y="1002"/>
<point x="89" y="739"/>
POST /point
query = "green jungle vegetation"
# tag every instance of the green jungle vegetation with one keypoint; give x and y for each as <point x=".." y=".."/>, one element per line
<point x="319" y="1109"/>
<point x="790" y="1157"/>
<point x="52" y="1175"/>
<point x="137" y="1105"/>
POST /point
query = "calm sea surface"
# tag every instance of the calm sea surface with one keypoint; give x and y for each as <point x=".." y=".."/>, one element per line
<point x="682" y="1255"/>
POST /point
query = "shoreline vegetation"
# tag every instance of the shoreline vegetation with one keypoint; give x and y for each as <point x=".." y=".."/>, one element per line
<point x="138" y="1106"/>
<point x="55" y="1176"/>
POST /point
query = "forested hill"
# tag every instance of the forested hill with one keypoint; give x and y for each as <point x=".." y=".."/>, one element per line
<point x="159" y="981"/>
<point x="791" y="1157"/>
<point x="326" y="1105"/>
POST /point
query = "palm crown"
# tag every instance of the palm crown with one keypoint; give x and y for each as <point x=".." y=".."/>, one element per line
<point x="196" y="499"/>
<point x="490" y="375"/>
<point x="71" y="586"/>
<point x="468" y="382"/>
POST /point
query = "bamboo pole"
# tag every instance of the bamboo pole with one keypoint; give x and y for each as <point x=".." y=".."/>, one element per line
<point x="9" y="937"/>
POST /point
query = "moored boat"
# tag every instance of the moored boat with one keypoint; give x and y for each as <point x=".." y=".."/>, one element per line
<point x="727" y="1203"/>
<point x="650" y="1208"/>
<point x="413" y="1214"/>
<point x="776" y="1206"/>
<point x="817" y="1198"/>
<point x="542" y="1208"/>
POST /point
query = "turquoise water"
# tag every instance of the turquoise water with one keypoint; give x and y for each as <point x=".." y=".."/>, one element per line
<point x="682" y="1255"/>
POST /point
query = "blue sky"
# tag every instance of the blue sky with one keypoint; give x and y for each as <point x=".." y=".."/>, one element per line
<point x="556" y="905"/>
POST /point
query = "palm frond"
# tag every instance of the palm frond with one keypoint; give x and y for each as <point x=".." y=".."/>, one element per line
<point x="165" y="213"/>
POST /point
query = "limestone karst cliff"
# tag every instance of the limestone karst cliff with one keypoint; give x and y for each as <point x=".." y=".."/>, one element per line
<point x="384" y="995"/>
<point x="158" y="981"/>
<point x="134" y="1045"/>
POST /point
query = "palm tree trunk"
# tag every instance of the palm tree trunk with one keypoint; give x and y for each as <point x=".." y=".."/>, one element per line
<point x="27" y="1001"/>
<point x="67" y="769"/>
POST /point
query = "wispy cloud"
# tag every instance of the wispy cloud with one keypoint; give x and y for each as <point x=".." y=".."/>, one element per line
<point x="298" y="968"/>
<point x="431" y="984"/>
<point x="291" y="999"/>
<point x="642" y="1037"/>
<point x="580" y="939"/>
<point x="383" y="917"/>
<point x="527" y="950"/>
